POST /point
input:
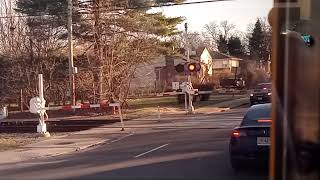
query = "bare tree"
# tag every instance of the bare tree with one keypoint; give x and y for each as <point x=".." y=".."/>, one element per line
<point x="212" y="29"/>
<point x="217" y="33"/>
<point x="29" y="48"/>
<point x="122" y="40"/>
<point x="211" y="34"/>
<point x="195" y="40"/>
<point x="226" y="28"/>
<point x="110" y="44"/>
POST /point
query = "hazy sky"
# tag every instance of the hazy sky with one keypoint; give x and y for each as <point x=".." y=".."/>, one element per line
<point x="238" y="12"/>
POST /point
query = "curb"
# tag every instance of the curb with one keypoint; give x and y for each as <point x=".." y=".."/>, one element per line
<point x="90" y="145"/>
<point x="239" y="105"/>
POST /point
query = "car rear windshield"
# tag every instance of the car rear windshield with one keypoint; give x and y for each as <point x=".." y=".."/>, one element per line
<point x="257" y="116"/>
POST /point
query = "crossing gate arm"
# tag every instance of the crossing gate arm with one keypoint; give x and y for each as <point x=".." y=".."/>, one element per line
<point x="87" y="106"/>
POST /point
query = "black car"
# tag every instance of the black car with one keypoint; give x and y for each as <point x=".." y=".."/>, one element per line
<point x="261" y="94"/>
<point x="249" y="143"/>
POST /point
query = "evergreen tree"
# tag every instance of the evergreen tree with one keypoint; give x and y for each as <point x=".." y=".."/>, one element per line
<point x="54" y="12"/>
<point x="222" y="44"/>
<point x="235" y="47"/>
<point x="256" y="41"/>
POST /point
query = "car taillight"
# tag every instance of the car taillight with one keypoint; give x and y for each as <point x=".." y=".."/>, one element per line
<point x="238" y="133"/>
<point x="264" y="121"/>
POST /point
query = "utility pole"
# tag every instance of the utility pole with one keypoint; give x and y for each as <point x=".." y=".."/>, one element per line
<point x="11" y="28"/>
<point x="72" y="69"/>
<point x="190" y="107"/>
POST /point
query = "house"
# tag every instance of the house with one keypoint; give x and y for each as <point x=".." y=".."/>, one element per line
<point x="223" y="63"/>
<point x="219" y="62"/>
<point x="216" y="62"/>
<point x="145" y="77"/>
<point x="158" y="75"/>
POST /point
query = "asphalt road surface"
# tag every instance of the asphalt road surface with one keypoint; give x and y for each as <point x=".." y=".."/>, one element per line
<point x="181" y="153"/>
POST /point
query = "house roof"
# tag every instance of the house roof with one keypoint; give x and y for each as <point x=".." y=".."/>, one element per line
<point x="218" y="55"/>
<point x="185" y="58"/>
<point x="200" y="50"/>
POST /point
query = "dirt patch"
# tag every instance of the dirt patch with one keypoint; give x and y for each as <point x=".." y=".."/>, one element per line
<point x="13" y="141"/>
<point x="16" y="140"/>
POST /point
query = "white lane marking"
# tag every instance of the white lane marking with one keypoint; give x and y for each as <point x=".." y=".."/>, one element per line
<point x="142" y="154"/>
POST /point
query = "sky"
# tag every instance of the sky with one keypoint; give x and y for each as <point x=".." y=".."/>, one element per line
<point x="239" y="12"/>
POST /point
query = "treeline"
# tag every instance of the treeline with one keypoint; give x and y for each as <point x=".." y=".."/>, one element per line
<point x="111" y="39"/>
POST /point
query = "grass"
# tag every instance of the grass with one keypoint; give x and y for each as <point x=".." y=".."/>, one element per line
<point x="210" y="102"/>
<point x="153" y="102"/>
<point x="172" y="102"/>
<point x="13" y="141"/>
<point x="168" y="105"/>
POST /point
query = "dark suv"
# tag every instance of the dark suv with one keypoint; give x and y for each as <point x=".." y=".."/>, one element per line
<point x="261" y="94"/>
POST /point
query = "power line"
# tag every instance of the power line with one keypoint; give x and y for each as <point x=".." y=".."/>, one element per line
<point x="126" y="8"/>
<point x="177" y="4"/>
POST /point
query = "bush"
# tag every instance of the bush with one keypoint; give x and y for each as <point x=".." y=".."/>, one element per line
<point x="253" y="76"/>
<point x="204" y="87"/>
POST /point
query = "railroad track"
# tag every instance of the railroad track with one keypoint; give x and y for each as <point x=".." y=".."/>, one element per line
<point x="53" y="126"/>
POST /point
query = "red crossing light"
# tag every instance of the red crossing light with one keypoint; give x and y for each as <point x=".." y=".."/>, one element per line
<point x="192" y="67"/>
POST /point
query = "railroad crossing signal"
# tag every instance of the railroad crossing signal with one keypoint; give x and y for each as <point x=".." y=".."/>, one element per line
<point x="192" y="67"/>
<point x="180" y="68"/>
<point x="188" y="68"/>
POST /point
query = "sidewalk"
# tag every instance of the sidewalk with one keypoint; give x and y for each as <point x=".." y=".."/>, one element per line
<point x="58" y="145"/>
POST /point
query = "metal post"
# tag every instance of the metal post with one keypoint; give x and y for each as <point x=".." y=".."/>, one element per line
<point x="21" y="100"/>
<point x="5" y="112"/>
<point x="11" y="28"/>
<point x="42" y="127"/>
<point x="159" y="117"/>
<point x="159" y="80"/>
<point x="235" y="80"/>
<point x="185" y="102"/>
<point x="41" y="87"/>
<point x="94" y="93"/>
<point x="70" y="45"/>
<point x="121" y="118"/>
<point x="190" y="108"/>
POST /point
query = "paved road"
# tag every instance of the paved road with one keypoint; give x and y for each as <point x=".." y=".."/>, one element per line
<point x="188" y="153"/>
